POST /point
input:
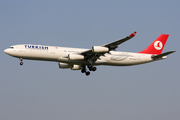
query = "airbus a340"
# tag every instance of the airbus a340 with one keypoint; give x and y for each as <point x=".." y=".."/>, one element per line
<point x="86" y="59"/>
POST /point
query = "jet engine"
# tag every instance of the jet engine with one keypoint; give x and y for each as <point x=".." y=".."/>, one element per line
<point x="75" y="57"/>
<point x="65" y="65"/>
<point x="73" y="67"/>
<point x="100" y="49"/>
<point x="77" y="67"/>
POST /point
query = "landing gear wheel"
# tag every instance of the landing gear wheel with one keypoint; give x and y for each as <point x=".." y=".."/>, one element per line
<point x="89" y="66"/>
<point x="90" y="69"/>
<point x="83" y="70"/>
<point x="94" y="69"/>
<point x="87" y="73"/>
<point x="21" y="63"/>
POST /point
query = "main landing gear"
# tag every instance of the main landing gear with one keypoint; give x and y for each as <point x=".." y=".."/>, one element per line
<point x="90" y="67"/>
<point x="21" y="63"/>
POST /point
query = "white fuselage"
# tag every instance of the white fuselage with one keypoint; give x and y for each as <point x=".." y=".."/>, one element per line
<point x="60" y="54"/>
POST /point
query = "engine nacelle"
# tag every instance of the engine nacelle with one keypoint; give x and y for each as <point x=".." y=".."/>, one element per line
<point x="75" y="57"/>
<point x="77" y="67"/>
<point x="65" y="65"/>
<point x="100" y="49"/>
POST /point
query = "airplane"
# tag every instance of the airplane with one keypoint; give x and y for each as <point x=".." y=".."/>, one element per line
<point x="86" y="59"/>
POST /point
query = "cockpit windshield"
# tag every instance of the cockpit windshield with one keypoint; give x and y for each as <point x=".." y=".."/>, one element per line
<point x="11" y="47"/>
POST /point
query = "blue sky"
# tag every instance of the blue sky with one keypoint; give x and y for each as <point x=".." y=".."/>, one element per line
<point x="40" y="90"/>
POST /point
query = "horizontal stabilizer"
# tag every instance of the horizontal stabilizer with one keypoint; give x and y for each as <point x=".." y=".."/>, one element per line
<point x="155" y="57"/>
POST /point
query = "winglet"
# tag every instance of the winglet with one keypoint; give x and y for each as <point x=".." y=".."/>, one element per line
<point x="133" y="34"/>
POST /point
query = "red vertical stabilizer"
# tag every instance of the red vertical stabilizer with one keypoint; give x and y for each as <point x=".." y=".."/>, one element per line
<point x="157" y="46"/>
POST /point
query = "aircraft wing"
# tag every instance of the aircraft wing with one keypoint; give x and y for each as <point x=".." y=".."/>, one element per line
<point x="114" y="45"/>
<point x="110" y="46"/>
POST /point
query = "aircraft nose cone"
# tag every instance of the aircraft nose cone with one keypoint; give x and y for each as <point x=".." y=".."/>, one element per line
<point x="9" y="51"/>
<point x="6" y="51"/>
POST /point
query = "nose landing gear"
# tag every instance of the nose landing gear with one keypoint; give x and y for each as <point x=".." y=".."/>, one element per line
<point x="21" y="63"/>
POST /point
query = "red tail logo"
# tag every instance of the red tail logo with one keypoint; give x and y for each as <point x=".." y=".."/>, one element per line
<point x="157" y="46"/>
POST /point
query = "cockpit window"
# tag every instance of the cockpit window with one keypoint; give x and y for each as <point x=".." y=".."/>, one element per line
<point x="11" y="47"/>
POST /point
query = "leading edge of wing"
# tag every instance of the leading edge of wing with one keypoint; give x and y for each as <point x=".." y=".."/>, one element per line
<point x="115" y="44"/>
<point x="112" y="45"/>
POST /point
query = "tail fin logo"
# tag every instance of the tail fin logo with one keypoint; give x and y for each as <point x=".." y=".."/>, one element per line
<point x="158" y="45"/>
